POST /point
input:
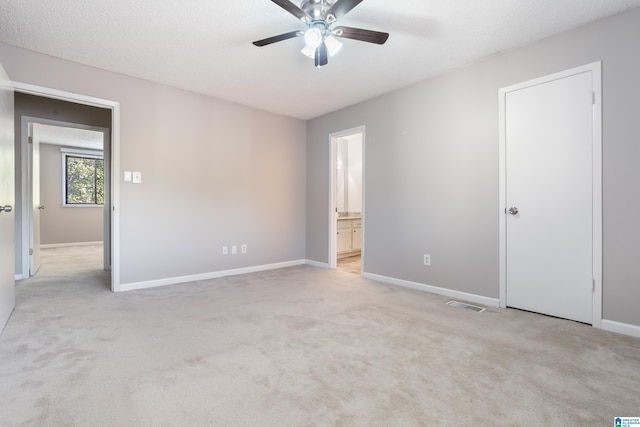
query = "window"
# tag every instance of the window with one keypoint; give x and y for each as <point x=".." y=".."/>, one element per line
<point x="83" y="179"/>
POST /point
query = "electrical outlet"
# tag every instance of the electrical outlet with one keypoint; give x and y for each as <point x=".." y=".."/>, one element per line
<point x="234" y="250"/>
<point x="243" y="248"/>
<point x="225" y="250"/>
<point x="427" y="259"/>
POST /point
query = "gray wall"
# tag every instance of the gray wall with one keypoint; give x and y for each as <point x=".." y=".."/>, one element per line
<point x="51" y="109"/>
<point x="214" y="173"/>
<point x="431" y="182"/>
<point x="58" y="223"/>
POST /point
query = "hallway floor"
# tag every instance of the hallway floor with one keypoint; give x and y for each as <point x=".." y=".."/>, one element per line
<point x="352" y="264"/>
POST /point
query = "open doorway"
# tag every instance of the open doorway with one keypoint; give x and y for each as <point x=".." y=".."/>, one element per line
<point x="67" y="190"/>
<point x="47" y="107"/>
<point x="346" y="243"/>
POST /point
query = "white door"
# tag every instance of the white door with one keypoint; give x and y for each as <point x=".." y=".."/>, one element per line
<point x="34" y="230"/>
<point x="549" y="192"/>
<point x="7" y="200"/>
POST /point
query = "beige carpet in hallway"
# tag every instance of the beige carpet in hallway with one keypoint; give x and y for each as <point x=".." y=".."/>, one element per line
<point x="298" y="347"/>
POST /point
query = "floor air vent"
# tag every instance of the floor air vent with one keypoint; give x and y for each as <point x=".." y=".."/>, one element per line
<point x="467" y="306"/>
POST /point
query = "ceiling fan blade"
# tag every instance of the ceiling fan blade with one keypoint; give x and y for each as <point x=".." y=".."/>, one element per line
<point x="368" y="36"/>
<point x="322" y="56"/>
<point x="294" y="10"/>
<point x="278" y="38"/>
<point x="341" y="8"/>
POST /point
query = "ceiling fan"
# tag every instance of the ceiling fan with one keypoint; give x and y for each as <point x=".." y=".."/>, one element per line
<point x="320" y="35"/>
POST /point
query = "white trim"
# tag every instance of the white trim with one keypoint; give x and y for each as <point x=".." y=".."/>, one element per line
<point x="205" y="276"/>
<point x="115" y="198"/>
<point x="75" y="98"/>
<point x="85" y="152"/>
<point x="502" y="198"/>
<point x="478" y="299"/>
<point x="115" y="160"/>
<point x="333" y="230"/>
<point x="595" y="68"/>
<point x="332" y="261"/>
<point x="316" y="264"/>
<point x="70" y="245"/>
<point x="364" y="192"/>
<point x="26" y="196"/>
<point x="621" y="328"/>
<point x="24" y="180"/>
<point x="19" y="277"/>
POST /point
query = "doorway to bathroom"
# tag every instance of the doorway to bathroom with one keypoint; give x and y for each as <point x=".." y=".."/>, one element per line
<point x="346" y="216"/>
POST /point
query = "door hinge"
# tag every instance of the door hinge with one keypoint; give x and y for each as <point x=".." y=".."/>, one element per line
<point x="593" y="98"/>
<point x="593" y="286"/>
<point x="30" y="251"/>
<point x="30" y="140"/>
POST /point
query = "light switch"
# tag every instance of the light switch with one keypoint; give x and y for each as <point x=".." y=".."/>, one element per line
<point x="137" y="177"/>
<point x="127" y="176"/>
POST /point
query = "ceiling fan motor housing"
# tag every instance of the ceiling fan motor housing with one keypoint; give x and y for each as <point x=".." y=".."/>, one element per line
<point x="317" y="9"/>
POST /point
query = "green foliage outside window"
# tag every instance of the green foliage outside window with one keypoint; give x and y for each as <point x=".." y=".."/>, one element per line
<point x="85" y="181"/>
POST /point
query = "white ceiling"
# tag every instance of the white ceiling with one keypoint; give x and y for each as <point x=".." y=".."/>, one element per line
<point x="69" y="137"/>
<point x="205" y="45"/>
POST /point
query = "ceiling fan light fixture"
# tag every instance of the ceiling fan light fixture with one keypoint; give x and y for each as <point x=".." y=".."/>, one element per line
<point x="333" y="45"/>
<point x="313" y="37"/>
<point x="320" y="35"/>
<point x="308" y="51"/>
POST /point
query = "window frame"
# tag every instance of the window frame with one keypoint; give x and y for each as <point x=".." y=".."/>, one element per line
<point x="77" y="153"/>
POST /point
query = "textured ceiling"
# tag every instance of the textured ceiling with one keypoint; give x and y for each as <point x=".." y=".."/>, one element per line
<point x="205" y="45"/>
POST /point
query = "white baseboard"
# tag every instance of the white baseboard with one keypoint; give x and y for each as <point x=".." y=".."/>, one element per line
<point x="316" y="264"/>
<point x="19" y="277"/>
<point x="621" y="328"/>
<point x="205" y="276"/>
<point x="68" y="245"/>
<point x="477" y="299"/>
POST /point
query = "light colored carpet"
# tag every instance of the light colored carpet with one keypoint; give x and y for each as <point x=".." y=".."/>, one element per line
<point x="296" y="347"/>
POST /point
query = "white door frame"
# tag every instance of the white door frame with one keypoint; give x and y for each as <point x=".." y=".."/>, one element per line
<point x="32" y="243"/>
<point x="27" y="185"/>
<point x="595" y="69"/>
<point x="115" y="161"/>
<point x="333" y="226"/>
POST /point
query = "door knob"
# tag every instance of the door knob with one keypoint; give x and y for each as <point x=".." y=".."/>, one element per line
<point x="513" y="210"/>
<point x="7" y="208"/>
